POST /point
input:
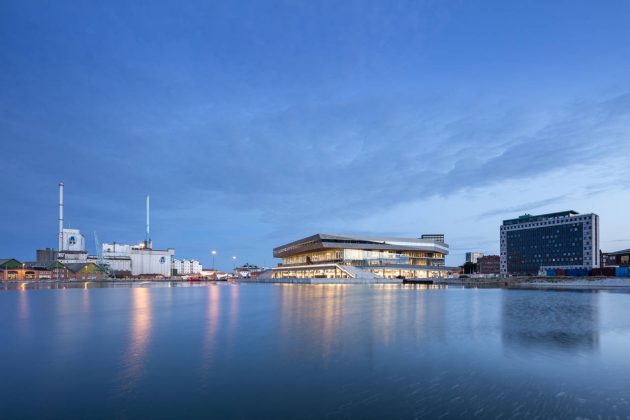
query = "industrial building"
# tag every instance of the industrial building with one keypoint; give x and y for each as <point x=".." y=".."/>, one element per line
<point x="137" y="260"/>
<point x="370" y="258"/>
<point x="71" y="242"/>
<point x="566" y="240"/>
<point x="119" y="259"/>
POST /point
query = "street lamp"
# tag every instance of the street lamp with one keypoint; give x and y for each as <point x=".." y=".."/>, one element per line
<point x="214" y="253"/>
<point x="234" y="262"/>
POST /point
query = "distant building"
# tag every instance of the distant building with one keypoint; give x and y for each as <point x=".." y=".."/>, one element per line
<point x="46" y="256"/>
<point x="616" y="259"/>
<point x="72" y="247"/>
<point x="489" y="264"/>
<point x="118" y="258"/>
<point x="472" y="257"/>
<point x="362" y="257"/>
<point x="437" y="237"/>
<point x="138" y="259"/>
<point x="556" y="240"/>
<point x="248" y="270"/>
<point x="184" y="267"/>
<point x="12" y="269"/>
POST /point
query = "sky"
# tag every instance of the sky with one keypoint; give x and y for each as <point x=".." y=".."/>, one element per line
<point x="256" y="123"/>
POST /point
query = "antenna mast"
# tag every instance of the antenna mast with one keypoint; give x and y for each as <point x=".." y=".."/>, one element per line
<point x="60" y="217"/>
<point x="148" y="238"/>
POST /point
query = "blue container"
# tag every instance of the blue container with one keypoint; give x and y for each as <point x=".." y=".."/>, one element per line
<point x="581" y="272"/>
<point x="622" y="272"/>
<point x="551" y="272"/>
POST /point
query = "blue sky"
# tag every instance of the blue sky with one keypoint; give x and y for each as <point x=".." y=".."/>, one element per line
<point x="255" y="123"/>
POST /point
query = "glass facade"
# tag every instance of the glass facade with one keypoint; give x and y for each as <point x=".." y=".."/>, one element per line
<point x="530" y="249"/>
<point x="366" y="258"/>
<point x="312" y="272"/>
<point x="530" y="245"/>
<point x="337" y="271"/>
<point x="408" y="273"/>
<point x="329" y="256"/>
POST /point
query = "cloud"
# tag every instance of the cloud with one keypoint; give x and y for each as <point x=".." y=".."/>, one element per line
<point x="351" y="157"/>
<point x="522" y="207"/>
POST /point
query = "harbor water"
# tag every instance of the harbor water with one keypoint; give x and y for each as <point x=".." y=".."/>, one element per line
<point x="310" y="351"/>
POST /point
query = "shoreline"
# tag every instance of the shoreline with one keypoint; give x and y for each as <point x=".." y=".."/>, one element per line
<point x="522" y="283"/>
<point x="544" y="283"/>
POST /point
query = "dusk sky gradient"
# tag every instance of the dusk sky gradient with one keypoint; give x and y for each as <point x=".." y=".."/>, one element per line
<point x="252" y="124"/>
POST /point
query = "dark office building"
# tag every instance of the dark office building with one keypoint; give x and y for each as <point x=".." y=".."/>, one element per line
<point x="555" y="240"/>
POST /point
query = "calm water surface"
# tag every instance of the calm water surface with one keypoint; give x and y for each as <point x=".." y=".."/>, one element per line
<point x="274" y="351"/>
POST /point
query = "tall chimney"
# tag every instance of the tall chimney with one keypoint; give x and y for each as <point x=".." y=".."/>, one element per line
<point x="60" y="216"/>
<point x="148" y="239"/>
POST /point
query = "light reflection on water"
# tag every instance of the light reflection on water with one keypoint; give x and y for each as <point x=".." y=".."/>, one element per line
<point x="211" y="326"/>
<point x="139" y="337"/>
<point x="225" y="350"/>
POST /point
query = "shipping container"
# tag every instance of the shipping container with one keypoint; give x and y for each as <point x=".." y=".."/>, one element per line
<point x="604" y="272"/>
<point x="551" y="272"/>
<point x="560" y="272"/>
<point x="622" y="272"/>
<point x="578" y="272"/>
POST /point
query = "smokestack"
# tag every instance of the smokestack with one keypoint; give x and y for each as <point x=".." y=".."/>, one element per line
<point x="148" y="239"/>
<point x="60" y="216"/>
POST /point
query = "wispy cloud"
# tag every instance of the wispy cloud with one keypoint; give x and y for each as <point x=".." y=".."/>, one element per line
<point x="351" y="157"/>
<point x="522" y="207"/>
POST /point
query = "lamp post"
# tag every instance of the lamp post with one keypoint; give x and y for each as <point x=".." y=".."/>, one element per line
<point x="214" y="253"/>
<point x="234" y="262"/>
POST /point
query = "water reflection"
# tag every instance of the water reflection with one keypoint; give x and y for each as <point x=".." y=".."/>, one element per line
<point x="211" y="328"/>
<point x="324" y="321"/>
<point x="550" y="321"/>
<point x="23" y="312"/>
<point x="251" y="351"/>
<point x="23" y="302"/>
<point x="313" y="311"/>
<point x="140" y="334"/>
<point x="233" y="320"/>
<point x="86" y="298"/>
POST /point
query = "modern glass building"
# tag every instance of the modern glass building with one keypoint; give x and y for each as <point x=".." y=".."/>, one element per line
<point x="335" y="256"/>
<point x="566" y="240"/>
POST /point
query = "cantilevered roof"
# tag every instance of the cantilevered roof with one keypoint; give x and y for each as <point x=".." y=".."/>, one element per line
<point x="622" y="252"/>
<point x="322" y="241"/>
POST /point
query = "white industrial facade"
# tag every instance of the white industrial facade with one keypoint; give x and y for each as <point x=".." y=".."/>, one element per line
<point x="183" y="267"/>
<point x="118" y="257"/>
<point x="139" y="260"/>
<point x="72" y="247"/>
